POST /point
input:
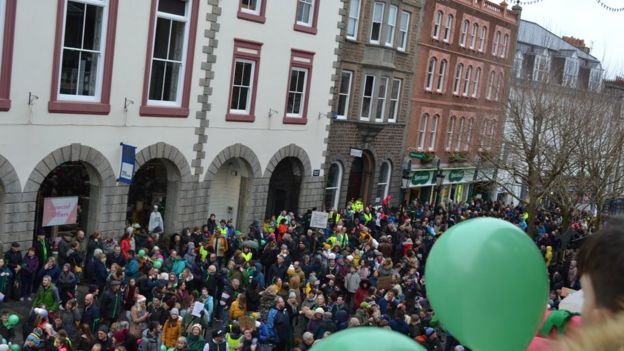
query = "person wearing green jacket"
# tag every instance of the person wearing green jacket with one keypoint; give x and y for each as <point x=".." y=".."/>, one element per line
<point x="47" y="295"/>
<point x="195" y="340"/>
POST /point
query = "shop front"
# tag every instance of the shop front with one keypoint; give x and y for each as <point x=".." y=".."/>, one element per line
<point x="455" y="184"/>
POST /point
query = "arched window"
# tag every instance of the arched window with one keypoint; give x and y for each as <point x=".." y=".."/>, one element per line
<point x="460" y="133"/>
<point x="467" y="80"/>
<point x="384" y="180"/>
<point x="483" y="133"/>
<point x="469" y="134"/>
<point x="490" y="86"/>
<point x="430" y="72"/>
<point x="451" y="129"/>
<point x="482" y="37"/>
<point x="436" y="24"/>
<point x="434" y="131"/>
<point x="441" y="74"/>
<point x="499" y="86"/>
<point x="422" y="134"/>
<point x="458" y="77"/>
<point x="448" y="29"/>
<point x="495" y="43"/>
<point x="491" y="137"/>
<point x="464" y="33"/>
<point x="332" y="188"/>
<point x="475" y="82"/>
<point x="504" y="47"/>
<point x="473" y="35"/>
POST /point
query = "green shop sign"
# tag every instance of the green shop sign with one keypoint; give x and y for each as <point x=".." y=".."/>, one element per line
<point x="418" y="155"/>
<point x="421" y="177"/>
<point x="456" y="175"/>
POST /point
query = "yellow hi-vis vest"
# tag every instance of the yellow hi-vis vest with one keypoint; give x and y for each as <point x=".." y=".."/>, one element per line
<point x="368" y="217"/>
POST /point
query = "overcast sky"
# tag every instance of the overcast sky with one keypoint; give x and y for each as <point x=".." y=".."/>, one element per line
<point x="585" y="19"/>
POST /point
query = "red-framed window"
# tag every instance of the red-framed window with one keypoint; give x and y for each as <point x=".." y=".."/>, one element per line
<point x="7" y="27"/>
<point x="298" y="88"/>
<point x="169" y="58"/>
<point x="83" y="56"/>
<point x="306" y="17"/>
<point x="252" y="10"/>
<point x="244" y="81"/>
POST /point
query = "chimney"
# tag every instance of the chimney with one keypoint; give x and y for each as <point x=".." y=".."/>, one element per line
<point x="577" y="43"/>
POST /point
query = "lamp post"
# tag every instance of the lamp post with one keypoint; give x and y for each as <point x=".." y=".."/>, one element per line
<point x="439" y="180"/>
<point x="405" y="179"/>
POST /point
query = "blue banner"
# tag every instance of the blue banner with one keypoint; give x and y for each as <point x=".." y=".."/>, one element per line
<point x="127" y="163"/>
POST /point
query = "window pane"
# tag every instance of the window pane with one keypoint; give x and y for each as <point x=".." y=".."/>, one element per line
<point x="164" y="80"/>
<point x="161" y="40"/>
<point x="69" y="71"/>
<point x="176" y="45"/>
<point x="304" y="9"/>
<point x="249" y="4"/>
<point x="93" y="28"/>
<point x="79" y="72"/>
<point x="74" y="24"/>
<point x="176" y="7"/>
<point x="332" y="177"/>
<point x="330" y="196"/>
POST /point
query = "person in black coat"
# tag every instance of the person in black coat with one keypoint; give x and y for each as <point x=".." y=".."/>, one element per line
<point x="111" y="303"/>
<point x="90" y="313"/>
<point x="281" y="324"/>
<point x="42" y="247"/>
<point x="13" y="260"/>
<point x="277" y="270"/>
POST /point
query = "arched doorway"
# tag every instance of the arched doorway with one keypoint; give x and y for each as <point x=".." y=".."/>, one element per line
<point x="156" y="183"/>
<point x="70" y="179"/>
<point x="230" y="192"/>
<point x="285" y="186"/>
<point x="360" y="177"/>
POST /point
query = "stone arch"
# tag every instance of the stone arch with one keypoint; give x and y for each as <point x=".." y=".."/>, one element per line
<point x="101" y="178"/>
<point x="233" y="151"/>
<point x="179" y="183"/>
<point x="291" y="150"/>
<point x="10" y="193"/>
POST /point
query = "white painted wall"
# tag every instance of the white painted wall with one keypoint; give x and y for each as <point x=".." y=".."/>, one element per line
<point x="28" y="134"/>
<point x="267" y="135"/>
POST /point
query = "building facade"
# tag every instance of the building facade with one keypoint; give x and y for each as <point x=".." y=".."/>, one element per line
<point x="371" y="101"/>
<point x="466" y="53"/>
<point x="224" y="108"/>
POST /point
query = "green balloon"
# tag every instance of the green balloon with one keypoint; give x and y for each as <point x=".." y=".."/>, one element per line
<point x="14" y="347"/>
<point x="158" y="264"/>
<point x="367" y="338"/>
<point x="487" y="283"/>
<point x="141" y="253"/>
<point x="163" y="348"/>
<point x="13" y="320"/>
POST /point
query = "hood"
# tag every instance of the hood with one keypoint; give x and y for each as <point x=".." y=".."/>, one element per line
<point x="342" y="316"/>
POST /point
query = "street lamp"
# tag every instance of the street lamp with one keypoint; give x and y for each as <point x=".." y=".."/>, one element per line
<point x="405" y="180"/>
<point x="439" y="180"/>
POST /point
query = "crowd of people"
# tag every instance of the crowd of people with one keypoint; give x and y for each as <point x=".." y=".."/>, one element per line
<point x="279" y="285"/>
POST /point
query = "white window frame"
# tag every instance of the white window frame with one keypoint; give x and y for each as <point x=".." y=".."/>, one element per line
<point x="459" y="71"/>
<point x="187" y="20"/>
<point x="460" y="133"/>
<point x="449" y="133"/>
<point x="2" y="15"/>
<point x="491" y="134"/>
<point x="382" y="94"/>
<point x="377" y="6"/>
<point x="503" y="52"/>
<point x="483" y="134"/>
<point x="394" y="100"/>
<point x="369" y="97"/>
<point x="473" y="35"/>
<point x="338" y="186"/>
<point x="310" y="21"/>
<point x="404" y="30"/>
<point x="391" y="25"/>
<point x="441" y="76"/>
<point x="467" y="81"/>
<point x="251" y="87"/>
<point x="469" y="134"/>
<point x="435" y="120"/>
<point x="475" y="82"/>
<point x="437" y="22"/>
<point x="302" y="106"/>
<point x="490" y="86"/>
<point x="256" y="11"/>
<point x="570" y="72"/>
<point x="464" y="33"/>
<point x="354" y="18"/>
<point x="385" y="182"/>
<point x="105" y="4"/>
<point x="499" y="86"/>
<point x="431" y="70"/>
<point x="347" y="95"/>
<point x="482" y="38"/>
<point x="422" y="135"/>
<point x="448" y="28"/>
<point x="495" y="43"/>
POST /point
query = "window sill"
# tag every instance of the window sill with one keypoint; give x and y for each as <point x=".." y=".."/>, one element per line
<point x="5" y="104"/>
<point x="90" y="108"/>
<point x="233" y="117"/>
<point x="351" y="39"/>
<point x="251" y="17"/>
<point x="295" y="120"/>
<point x="305" y="29"/>
<point x="160" y="111"/>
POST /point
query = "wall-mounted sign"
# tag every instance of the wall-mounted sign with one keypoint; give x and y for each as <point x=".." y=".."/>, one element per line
<point x="456" y="175"/>
<point x="60" y="210"/>
<point x="128" y="153"/>
<point x="356" y="152"/>
<point x="316" y="172"/>
<point x="421" y="177"/>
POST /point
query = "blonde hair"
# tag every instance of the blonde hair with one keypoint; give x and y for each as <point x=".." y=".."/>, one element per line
<point x="606" y="336"/>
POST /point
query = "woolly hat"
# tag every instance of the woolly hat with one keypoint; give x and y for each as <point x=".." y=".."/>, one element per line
<point x="319" y="310"/>
<point x="35" y="338"/>
<point x="429" y="331"/>
<point x="103" y="328"/>
<point x="174" y="312"/>
<point x="197" y="325"/>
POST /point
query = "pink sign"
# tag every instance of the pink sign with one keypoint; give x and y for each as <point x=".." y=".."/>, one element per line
<point x="60" y="210"/>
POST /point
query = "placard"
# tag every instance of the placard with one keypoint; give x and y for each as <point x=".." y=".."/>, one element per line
<point x="356" y="152"/>
<point x="319" y="219"/>
<point x="60" y="211"/>
<point x="198" y="307"/>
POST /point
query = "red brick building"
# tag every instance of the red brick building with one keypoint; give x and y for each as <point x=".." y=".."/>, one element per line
<point x="377" y="60"/>
<point x="465" y="56"/>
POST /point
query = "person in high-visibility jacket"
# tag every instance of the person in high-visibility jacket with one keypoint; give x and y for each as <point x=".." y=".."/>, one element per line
<point x="367" y="216"/>
<point x="342" y="239"/>
<point x="283" y="215"/>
